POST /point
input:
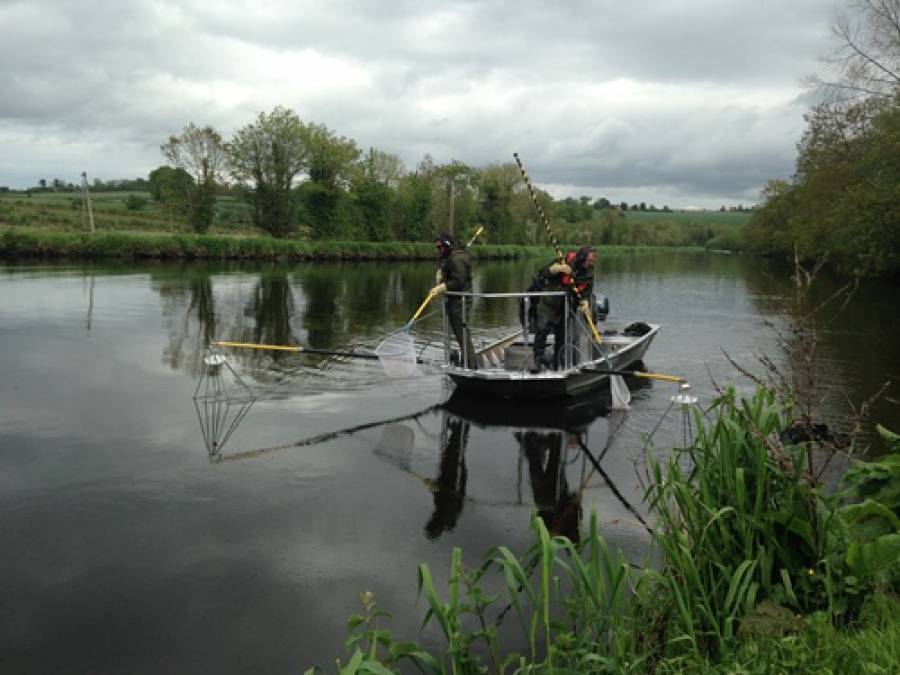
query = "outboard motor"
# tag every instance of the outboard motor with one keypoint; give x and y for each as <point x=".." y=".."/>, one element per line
<point x="601" y="306"/>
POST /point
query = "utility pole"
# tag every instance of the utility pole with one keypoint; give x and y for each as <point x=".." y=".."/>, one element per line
<point x="450" y="190"/>
<point x="86" y="201"/>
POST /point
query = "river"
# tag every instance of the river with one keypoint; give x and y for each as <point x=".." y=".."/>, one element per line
<point x="128" y="546"/>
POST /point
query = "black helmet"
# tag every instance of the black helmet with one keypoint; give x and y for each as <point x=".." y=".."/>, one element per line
<point x="445" y="240"/>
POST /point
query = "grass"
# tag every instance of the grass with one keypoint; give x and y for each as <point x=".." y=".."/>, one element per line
<point x="47" y="242"/>
<point x="710" y="218"/>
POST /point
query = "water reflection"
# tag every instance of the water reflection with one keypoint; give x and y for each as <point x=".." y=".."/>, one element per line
<point x="449" y="486"/>
<point x="854" y="346"/>
<point x="553" y="450"/>
<point x="550" y="443"/>
<point x="325" y="306"/>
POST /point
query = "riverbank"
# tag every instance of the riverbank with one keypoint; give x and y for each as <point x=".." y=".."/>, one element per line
<point x="17" y="243"/>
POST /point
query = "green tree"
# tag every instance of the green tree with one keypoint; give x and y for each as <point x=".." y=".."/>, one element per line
<point x="172" y="188"/>
<point x="374" y="199"/>
<point x="415" y="206"/>
<point x="331" y="166"/>
<point x="268" y="155"/>
<point x="504" y="207"/>
<point x="203" y="154"/>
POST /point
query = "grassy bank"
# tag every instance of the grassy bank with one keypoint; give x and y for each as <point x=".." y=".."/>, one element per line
<point x="42" y="243"/>
<point x="757" y="568"/>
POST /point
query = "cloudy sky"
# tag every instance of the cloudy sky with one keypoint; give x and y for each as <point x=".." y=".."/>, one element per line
<point x="678" y="102"/>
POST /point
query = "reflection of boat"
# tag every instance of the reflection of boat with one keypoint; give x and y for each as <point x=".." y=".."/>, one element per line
<point x="505" y="365"/>
<point x="564" y="413"/>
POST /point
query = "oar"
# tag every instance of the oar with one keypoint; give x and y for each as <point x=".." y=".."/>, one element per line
<point x="297" y="348"/>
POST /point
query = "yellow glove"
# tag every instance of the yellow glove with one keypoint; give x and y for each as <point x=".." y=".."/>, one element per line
<point x="585" y="307"/>
<point x="439" y="290"/>
<point x="560" y="268"/>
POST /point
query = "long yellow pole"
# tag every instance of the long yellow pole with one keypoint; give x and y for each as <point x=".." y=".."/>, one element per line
<point x="254" y="345"/>
<point x="293" y="348"/>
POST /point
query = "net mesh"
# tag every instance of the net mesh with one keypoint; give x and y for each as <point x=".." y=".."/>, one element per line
<point x="397" y="354"/>
<point x="621" y="397"/>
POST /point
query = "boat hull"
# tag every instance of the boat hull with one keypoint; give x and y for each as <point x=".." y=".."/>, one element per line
<point x="522" y="384"/>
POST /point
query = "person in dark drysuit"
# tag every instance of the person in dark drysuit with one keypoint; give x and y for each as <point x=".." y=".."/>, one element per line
<point x="576" y="275"/>
<point x="455" y="274"/>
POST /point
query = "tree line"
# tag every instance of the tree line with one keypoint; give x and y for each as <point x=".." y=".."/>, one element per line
<point x="302" y="179"/>
<point x="843" y="203"/>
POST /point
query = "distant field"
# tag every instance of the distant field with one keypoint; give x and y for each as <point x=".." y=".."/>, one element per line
<point x="699" y="217"/>
<point x="62" y="211"/>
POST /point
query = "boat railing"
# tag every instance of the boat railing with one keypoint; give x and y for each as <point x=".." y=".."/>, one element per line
<point x="578" y="348"/>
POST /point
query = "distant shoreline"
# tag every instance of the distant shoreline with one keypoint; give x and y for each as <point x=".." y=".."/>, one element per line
<point x="19" y="243"/>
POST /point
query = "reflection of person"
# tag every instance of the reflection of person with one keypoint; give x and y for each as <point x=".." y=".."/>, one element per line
<point x="455" y="275"/>
<point x="559" y="508"/>
<point x="576" y="275"/>
<point x="449" y="488"/>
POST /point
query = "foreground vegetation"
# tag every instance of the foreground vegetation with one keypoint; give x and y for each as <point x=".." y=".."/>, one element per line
<point x="761" y="569"/>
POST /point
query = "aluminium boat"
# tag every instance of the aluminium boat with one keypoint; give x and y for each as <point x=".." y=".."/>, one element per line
<point x="505" y="365"/>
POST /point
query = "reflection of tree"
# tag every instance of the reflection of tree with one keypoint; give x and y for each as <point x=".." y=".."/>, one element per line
<point x="272" y="306"/>
<point x="203" y="306"/>
<point x="321" y="287"/>
<point x="189" y="307"/>
<point x="559" y="508"/>
<point x="839" y="319"/>
<point x="449" y="488"/>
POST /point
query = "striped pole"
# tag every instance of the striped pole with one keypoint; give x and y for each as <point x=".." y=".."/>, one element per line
<point x="537" y="205"/>
<point x="539" y="208"/>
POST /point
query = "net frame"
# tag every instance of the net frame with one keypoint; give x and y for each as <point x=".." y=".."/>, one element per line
<point x="397" y="355"/>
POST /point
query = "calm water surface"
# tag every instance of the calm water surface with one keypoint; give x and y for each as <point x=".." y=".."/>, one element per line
<point x="127" y="548"/>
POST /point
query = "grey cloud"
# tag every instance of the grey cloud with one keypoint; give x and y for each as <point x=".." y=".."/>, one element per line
<point x="472" y="81"/>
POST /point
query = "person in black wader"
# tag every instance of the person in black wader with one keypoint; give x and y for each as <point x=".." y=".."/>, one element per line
<point x="455" y="274"/>
<point x="575" y="273"/>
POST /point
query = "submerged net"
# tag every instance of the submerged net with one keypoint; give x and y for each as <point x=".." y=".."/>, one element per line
<point x="397" y="353"/>
<point x="621" y="397"/>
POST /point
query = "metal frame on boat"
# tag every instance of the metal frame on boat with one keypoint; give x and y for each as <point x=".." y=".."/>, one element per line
<point x="505" y="364"/>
